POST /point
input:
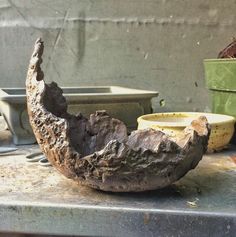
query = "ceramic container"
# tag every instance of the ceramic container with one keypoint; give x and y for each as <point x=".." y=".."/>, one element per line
<point x="220" y="76"/>
<point x="222" y="126"/>
<point x="123" y="103"/>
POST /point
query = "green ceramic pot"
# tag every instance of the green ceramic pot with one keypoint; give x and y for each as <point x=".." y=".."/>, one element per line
<point x="220" y="76"/>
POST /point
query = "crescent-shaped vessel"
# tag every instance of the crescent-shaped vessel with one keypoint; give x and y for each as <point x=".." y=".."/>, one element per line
<point x="97" y="151"/>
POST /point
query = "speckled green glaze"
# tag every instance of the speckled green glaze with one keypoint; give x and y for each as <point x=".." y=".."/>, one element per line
<point x="223" y="102"/>
<point x="220" y="76"/>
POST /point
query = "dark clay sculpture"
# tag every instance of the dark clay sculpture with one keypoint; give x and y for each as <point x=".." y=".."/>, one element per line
<point x="229" y="51"/>
<point x="97" y="152"/>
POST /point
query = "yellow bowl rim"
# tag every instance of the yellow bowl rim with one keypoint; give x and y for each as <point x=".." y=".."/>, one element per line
<point x="228" y="118"/>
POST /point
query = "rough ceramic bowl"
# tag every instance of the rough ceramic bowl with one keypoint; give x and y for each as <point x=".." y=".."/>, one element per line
<point x="97" y="151"/>
<point x="222" y="126"/>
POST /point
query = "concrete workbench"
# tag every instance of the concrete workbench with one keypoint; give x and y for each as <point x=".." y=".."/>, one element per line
<point x="36" y="199"/>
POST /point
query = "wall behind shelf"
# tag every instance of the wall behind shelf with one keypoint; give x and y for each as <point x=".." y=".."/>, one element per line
<point x="152" y="44"/>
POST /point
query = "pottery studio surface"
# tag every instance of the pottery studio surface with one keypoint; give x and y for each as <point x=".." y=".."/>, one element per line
<point x="222" y="126"/>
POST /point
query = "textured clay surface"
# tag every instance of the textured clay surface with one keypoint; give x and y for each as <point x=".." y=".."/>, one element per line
<point x="229" y="51"/>
<point x="97" y="151"/>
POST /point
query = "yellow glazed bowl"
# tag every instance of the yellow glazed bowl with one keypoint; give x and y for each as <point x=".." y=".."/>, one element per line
<point x="222" y="126"/>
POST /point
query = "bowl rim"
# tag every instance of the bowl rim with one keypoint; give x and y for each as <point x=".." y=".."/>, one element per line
<point x="232" y="60"/>
<point x="144" y="118"/>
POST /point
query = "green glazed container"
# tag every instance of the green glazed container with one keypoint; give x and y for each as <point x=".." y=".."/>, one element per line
<point x="220" y="76"/>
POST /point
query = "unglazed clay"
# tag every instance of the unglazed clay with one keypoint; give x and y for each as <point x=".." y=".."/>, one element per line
<point x="229" y="51"/>
<point x="97" y="151"/>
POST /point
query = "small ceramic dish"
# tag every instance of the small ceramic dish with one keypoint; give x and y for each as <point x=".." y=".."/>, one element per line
<point x="222" y="126"/>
